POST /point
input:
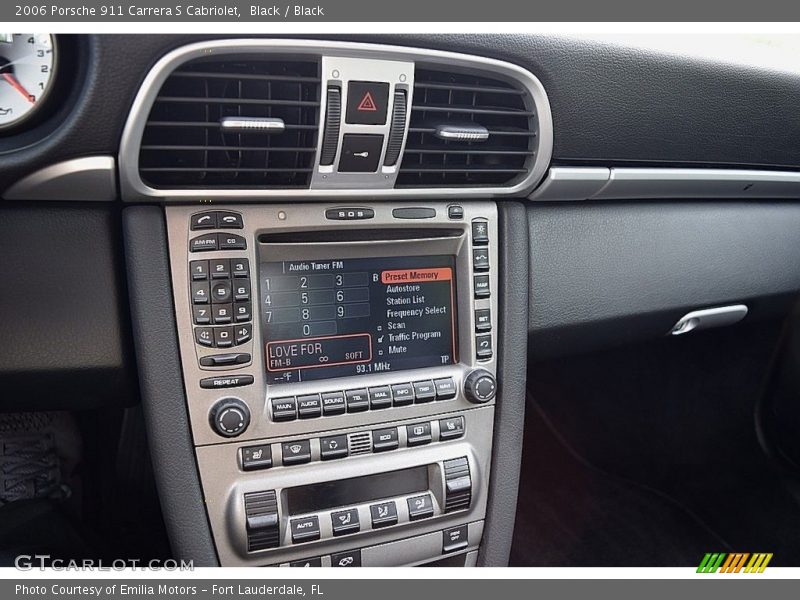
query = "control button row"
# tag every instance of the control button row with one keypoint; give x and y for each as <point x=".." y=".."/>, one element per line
<point x="358" y="400"/>
<point x="216" y="219"/>
<point x="220" y="292"/>
<point x="346" y="521"/>
<point x="482" y="288"/>
<point x="454" y="539"/>
<point x="222" y="314"/>
<point x="221" y="268"/>
<point x="217" y="241"/>
<point x="223" y="337"/>
<point x="298" y="452"/>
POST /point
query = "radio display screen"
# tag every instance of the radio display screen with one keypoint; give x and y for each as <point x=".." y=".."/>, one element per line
<point x="338" y="317"/>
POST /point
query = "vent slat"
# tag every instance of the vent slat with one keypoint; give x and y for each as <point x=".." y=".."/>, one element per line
<point x="469" y="100"/>
<point x="471" y="110"/>
<point x="184" y="146"/>
<point x="242" y="101"/>
<point x="202" y="148"/>
<point x="466" y="88"/>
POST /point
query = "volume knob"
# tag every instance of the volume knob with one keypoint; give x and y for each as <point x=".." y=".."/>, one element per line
<point x="480" y="386"/>
<point x="229" y="417"/>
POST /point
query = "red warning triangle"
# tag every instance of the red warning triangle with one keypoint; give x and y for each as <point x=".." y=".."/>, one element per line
<point x="367" y="104"/>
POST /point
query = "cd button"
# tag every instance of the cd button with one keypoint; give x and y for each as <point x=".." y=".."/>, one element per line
<point x="231" y="241"/>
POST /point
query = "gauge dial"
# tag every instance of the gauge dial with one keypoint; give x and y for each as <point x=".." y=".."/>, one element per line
<point x="27" y="67"/>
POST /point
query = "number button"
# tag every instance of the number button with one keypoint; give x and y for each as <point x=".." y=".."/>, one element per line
<point x="221" y="292"/>
<point x="242" y="311"/>
<point x="220" y="269"/>
<point x="241" y="290"/>
<point x="222" y="313"/>
<point x="240" y="267"/>
<point x="199" y="292"/>
<point x="223" y="337"/>
<point x="201" y="314"/>
<point x="199" y="269"/>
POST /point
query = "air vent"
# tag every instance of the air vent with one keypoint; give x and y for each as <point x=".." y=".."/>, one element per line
<point x="467" y="130"/>
<point x="239" y="122"/>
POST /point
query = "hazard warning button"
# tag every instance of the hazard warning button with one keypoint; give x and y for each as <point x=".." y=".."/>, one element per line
<point x="367" y="102"/>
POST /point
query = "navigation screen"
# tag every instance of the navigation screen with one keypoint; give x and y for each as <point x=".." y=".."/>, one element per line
<point x="339" y="317"/>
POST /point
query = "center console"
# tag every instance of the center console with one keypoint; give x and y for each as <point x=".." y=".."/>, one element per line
<point x="340" y="373"/>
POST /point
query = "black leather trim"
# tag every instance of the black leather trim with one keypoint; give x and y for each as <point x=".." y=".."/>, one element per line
<point x="612" y="273"/>
<point x="510" y="406"/>
<point x="64" y="326"/>
<point x="161" y="383"/>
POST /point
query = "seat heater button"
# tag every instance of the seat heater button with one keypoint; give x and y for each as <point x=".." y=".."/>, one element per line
<point x="383" y="514"/>
<point x="420" y="507"/>
<point x="345" y="521"/>
<point x="256" y="457"/>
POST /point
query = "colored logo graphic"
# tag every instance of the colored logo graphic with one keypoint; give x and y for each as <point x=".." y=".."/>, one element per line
<point x="737" y="562"/>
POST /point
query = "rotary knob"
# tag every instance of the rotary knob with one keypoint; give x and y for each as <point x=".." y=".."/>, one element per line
<point x="480" y="386"/>
<point x="229" y="417"/>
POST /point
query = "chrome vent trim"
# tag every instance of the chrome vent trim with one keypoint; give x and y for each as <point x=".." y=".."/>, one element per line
<point x="244" y="121"/>
<point x="133" y="188"/>
<point x="468" y="128"/>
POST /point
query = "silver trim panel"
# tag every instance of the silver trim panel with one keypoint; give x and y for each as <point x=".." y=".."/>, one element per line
<point x="134" y="189"/>
<point x="628" y="183"/>
<point x="88" y="179"/>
